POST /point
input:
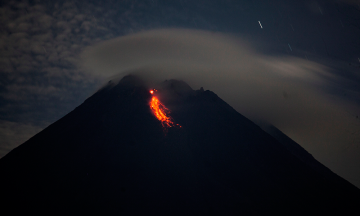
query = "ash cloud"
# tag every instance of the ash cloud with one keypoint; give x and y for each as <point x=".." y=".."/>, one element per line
<point x="302" y="98"/>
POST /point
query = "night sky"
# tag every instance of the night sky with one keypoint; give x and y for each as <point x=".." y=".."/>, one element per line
<point x="293" y="64"/>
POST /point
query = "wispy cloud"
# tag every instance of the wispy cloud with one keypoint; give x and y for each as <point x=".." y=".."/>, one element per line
<point x="39" y="48"/>
<point x="302" y="98"/>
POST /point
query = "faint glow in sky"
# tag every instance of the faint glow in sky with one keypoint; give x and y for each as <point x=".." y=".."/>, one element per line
<point x="260" y="24"/>
<point x="290" y="47"/>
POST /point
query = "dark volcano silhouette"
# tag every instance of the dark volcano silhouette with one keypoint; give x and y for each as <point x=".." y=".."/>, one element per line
<point x="110" y="156"/>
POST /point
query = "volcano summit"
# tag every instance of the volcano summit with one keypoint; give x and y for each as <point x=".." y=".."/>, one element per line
<point x="111" y="156"/>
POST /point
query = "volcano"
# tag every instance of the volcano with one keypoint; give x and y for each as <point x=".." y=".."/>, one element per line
<point x="112" y="156"/>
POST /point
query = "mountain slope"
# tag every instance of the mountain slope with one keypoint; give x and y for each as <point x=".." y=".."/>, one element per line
<point x="111" y="156"/>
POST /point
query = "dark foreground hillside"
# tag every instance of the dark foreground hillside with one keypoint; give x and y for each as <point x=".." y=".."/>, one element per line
<point x="110" y="156"/>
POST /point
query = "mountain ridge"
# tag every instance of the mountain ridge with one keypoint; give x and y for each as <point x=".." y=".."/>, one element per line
<point x="110" y="155"/>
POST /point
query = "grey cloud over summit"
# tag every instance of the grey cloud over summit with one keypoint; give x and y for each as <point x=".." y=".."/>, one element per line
<point x="298" y="96"/>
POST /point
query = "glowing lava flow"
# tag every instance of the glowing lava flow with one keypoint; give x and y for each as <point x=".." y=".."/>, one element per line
<point x="161" y="112"/>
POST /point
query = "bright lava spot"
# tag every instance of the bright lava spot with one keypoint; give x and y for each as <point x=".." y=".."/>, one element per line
<point x="162" y="113"/>
<point x="151" y="91"/>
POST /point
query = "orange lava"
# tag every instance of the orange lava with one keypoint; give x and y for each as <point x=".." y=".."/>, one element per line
<point x="161" y="112"/>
